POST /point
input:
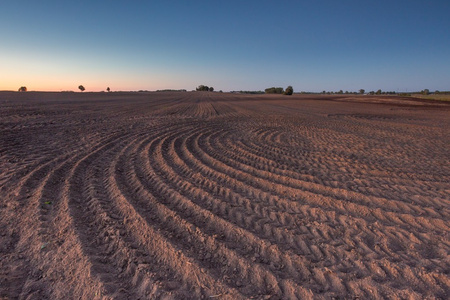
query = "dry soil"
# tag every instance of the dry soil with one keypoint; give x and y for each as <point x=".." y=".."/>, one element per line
<point x="227" y="196"/>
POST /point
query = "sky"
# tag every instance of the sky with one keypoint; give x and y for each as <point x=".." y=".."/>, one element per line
<point x="315" y="45"/>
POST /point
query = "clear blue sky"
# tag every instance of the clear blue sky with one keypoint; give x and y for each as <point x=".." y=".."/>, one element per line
<point x="230" y="45"/>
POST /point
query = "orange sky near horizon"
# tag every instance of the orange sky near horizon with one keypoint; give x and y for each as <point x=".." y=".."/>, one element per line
<point x="44" y="78"/>
<point x="43" y="72"/>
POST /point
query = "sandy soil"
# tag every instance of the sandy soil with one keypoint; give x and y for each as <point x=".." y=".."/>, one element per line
<point x="209" y="195"/>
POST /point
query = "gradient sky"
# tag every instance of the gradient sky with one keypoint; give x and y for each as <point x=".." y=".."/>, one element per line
<point x="396" y="45"/>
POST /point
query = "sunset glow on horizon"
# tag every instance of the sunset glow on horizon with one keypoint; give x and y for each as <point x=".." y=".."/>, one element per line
<point x="325" y="45"/>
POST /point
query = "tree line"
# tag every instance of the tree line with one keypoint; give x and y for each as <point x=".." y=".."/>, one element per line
<point x="205" y="88"/>
<point x="279" y="90"/>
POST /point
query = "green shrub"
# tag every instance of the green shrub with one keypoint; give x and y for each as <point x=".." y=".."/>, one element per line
<point x="289" y="90"/>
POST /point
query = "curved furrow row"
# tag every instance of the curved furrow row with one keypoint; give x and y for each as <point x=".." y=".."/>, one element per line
<point x="142" y="257"/>
<point x="100" y="229"/>
<point x="202" y="177"/>
<point x="39" y="192"/>
<point x="243" y="178"/>
<point x="358" y="161"/>
<point x="225" y="203"/>
<point x="291" y="160"/>
<point x="433" y="186"/>
<point x="51" y="220"/>
<point x="177" y="228"/>
<point x="62" y="243"/>
<point x="225" y="145"/>
<point x="284" y="189"/>
<point x="237" y="210"/>
<point x="257" y="203"/>
<point x="150" y="225"/>
<point x="36" y="178"/>
<point x="420" y="200"/>
<point x="321" y="231"/>
<point x="333" y="147"/>
<point x="81" y="214"/>
<point x="389" y="245"/>
<point x="31" y="213"/>
<point x="106" y="232"/>
<point x="236" y="268"/>
<point x="320" y="257"/>
<point x="180" y="236"/>
<point x="350" y="200"/>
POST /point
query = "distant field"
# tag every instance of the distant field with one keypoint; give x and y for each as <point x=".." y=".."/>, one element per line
<point x="223" y="196"/>
<point x="441" y="97"/>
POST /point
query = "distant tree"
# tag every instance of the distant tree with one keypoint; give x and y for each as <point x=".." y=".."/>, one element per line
<point x="203" y="88"/>
<point x="23" y="89"/>
<point x="324" y="92"/>
<point x="436" y="92"/>
<point x="340" y="92"/>
<point x="289" y="90"/>
<point x="371" y="93"/>
<point x="274" y="90"/>
<point x="362" y="91"/>
<point x="108" y="89"/>
<point x="211" y="89"/>
<point x="81" y="88"/>
<point x="426" y="92"/>
<point x="378" y="92"/>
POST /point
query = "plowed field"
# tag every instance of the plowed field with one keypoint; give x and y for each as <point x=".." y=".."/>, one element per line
<point x="210" y="195"/>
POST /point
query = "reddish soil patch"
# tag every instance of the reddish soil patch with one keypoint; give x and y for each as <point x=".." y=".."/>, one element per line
<point x="197" y="195"/>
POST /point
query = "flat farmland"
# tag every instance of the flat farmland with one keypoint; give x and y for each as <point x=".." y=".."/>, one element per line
<point x="226" y="196"/>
